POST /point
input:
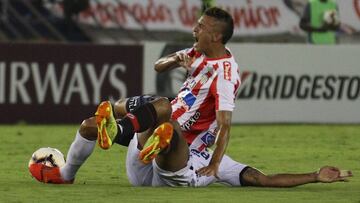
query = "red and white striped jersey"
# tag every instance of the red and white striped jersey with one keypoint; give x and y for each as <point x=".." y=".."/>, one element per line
<point x="211" y="85"/>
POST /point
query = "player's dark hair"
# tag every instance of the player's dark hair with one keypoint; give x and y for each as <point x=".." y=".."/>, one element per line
<point x="224" y="17"/>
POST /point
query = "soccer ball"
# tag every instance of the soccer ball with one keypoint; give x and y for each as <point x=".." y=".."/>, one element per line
<point x="48" y="156"/>
<point x="331" y="17"/>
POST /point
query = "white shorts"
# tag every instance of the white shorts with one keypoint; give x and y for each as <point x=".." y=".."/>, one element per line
<point x="140" y="174"/>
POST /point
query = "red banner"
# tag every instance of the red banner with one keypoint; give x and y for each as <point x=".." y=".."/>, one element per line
<point x="251" y="17"/>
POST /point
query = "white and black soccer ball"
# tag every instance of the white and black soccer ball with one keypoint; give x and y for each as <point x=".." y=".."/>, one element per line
<point x="331" y="17"/>
<point x="48" y="156"/>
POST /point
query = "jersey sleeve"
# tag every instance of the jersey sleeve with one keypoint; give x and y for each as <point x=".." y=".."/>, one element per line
<point x="224" y="88"/>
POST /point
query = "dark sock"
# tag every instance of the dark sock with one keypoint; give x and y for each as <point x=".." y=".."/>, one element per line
<point x="139" y="120"/>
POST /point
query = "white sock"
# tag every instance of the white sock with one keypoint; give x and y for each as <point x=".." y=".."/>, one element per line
<point x="79" y="151"/>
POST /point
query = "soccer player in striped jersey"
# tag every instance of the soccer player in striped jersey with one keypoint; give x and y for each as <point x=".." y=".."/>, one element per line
<point x="204" y="104"/>
<point x="174" y="152"/>
<point x="202" y="113"/>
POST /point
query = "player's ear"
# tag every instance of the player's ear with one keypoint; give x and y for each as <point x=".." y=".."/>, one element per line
<point x="217" y="37"/>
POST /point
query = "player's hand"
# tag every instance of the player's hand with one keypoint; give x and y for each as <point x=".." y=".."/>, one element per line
<point x="184" y="60"/>
<point x="329" y="174"/>
<point x="210" y="170"/>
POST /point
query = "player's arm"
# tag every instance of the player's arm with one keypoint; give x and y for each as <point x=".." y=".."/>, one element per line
<point x="327" y="174"/>
<point x="223" y="119"/>
<point x="173" y="61"/>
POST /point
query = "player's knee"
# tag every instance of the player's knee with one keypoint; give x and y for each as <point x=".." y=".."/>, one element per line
<point x="120" y="108"/>
<point x="253" y="177"/>
<point x="177" y="139"/>
<point x="88" y="129"/>
<point x="163" y="109"/>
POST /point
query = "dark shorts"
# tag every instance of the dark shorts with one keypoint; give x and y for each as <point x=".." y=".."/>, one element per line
<point x="135" y="102"/>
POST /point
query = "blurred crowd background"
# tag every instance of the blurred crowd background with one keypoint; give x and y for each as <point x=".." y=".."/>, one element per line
<point x="135" y="21"/>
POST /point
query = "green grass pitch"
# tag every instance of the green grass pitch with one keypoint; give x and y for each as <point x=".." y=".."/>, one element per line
<point x="270" y="148"/>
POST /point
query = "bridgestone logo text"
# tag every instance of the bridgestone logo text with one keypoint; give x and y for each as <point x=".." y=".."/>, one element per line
<point x="304" y="87"/>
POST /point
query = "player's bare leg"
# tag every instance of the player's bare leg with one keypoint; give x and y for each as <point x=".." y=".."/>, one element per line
<point x="88" y="128"/>
<point x="158" y="141"/>
<point x="176" y="156"/>
<point x="86" y="137"/>
<point x="79" y="151"/>
<point x="167" y="146"/>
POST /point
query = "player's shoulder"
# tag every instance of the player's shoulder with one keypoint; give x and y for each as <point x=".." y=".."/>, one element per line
<point x="227" y="67"/>
<point x="227" y="63"/>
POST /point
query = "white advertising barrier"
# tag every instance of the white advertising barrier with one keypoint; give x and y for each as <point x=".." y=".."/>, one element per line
<point x="349" y="11"/>
<point x="298" y="83"/>
<point x="287" y="83"/>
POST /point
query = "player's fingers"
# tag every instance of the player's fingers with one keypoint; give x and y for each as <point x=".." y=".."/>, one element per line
<point x="200" y="171"/>
<point x="181" y="56"/>
<point x="204" y="172"/>
<point x="209" y="173"/>
<point x="186" y="59"/>
<point x="345" y="173"/>
<point x="178" y="55"/>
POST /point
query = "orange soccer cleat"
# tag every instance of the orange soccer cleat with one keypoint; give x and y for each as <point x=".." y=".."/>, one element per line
<point x="47" y="174"/>
<point x="158" y="141"/>
<point x="106" y="125"/>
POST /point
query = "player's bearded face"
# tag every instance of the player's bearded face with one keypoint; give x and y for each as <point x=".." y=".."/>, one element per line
<point x="202" y="33"/>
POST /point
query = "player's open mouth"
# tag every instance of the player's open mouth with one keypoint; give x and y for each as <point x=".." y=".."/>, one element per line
<point x="195" y="41"/>
<point x="195" y="37"/>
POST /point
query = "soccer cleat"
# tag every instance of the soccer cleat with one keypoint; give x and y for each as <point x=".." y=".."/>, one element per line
<point x="47" y="174"/>
<point x="158" y="141"/>
<point x="106" y="125"/>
